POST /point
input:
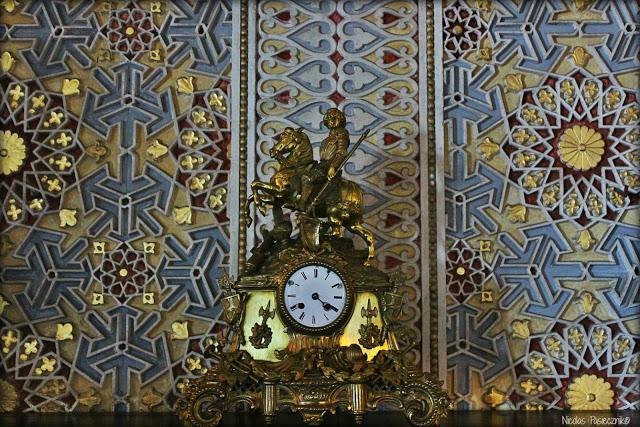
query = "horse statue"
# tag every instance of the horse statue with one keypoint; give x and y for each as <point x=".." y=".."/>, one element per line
<point x="341" y="202"/>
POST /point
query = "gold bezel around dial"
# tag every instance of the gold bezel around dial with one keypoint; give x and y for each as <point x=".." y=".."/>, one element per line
<point x="292" y="323"/>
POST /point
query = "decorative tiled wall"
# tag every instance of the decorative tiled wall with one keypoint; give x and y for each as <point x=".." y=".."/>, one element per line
<point x="115" y="121"/>
<point x="126" y="145"/>
<point x="542" y="186"/>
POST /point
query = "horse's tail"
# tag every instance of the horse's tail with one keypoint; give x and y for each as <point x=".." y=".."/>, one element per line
<point x="351" y="196"/>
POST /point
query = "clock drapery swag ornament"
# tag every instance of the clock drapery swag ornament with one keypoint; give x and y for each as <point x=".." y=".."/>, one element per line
<point x="312" y="326"/>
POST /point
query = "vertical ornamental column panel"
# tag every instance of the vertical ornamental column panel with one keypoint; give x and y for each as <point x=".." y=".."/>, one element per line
<point x="362" y="58"/>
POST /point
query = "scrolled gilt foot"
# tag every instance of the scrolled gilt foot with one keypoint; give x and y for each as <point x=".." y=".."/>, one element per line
<point x="424" y="401"/>
<point x="204" y="402"/>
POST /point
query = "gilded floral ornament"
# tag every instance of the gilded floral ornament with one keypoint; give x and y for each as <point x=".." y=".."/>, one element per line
<point x="539" y="364"/>
<point x="486" y="296"/>
<point x="198" y="183"/>
<point x="532" y="180"/>
<point x="530" y="386"/>
<point x="99" y="247"/>
<point x="532" y="116"/>
<point x="599" y="339"/>
<point x="631" y="179"/>
<point x="17" y="94"/>
<point x="550" y="196"/>
<point x="524" y="159"/>
<point x="151" y="398"/>
<point x="148" y="298"/>
<point x="585" y="240"/>
<point x="587" y="301"/>
<point x="554" y="346"/>
<point x="594" y="204"/>
<point x="629" y="115"/>
<point x="581" y="147"/>
<point x="53" y="185"/>
<point x="89" y="398"/>
<point x="621" y="347"/>
<point x="156" y="150"/>
<point x="218" y="199"/>
<point x="53" y="388"/>
<point x="8" y="340"/>
<point x="14" y="212"/>
<point x="30" y="347"/>
<point x="97" y="151"/>
<point x="590" y="392"/>
<point x="488" y="149"/>
<point x="612" y="99"/>
<point x="182" y="215"/>
<point x="3" y="304"/>
<point x="546" y="99"/>
<point x="494" y="397"/>
<point x="9" y="5"/>
<point x="47" y="365"/>
<point x="12" y="152"/>
<point x="155" y="55"/>
<point x="591" y="91"/>
<point x="580" y="56"/>
<point x="155" y="7"/>
<point x="217" y="102"/>
<point x="517" y="213"/>
<point x="97" y="298"/>
<point x="532" y="407"/>
<point x="485" y="54"/>
<point x="70" y="87"/>
<point x="520" y="329"/>
<point x="64" y="331"/>
<point x="194" y="364"/>
<point x="185" y="85"/>
<point x="576" y="338"/>
<point x="515" y="82"/>
<point x="180" y="330"/>
<point x="6" y="62"/>
<point x="484" y="5"/>
<point x="36" y="204"/>
<point x="567" y="91"/>
<point x="616" y="197"/>
<point x="68" y="217"/>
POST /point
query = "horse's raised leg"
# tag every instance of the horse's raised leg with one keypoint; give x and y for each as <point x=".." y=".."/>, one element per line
<point x="359" y="229"/>
<point x="263" y="194"/>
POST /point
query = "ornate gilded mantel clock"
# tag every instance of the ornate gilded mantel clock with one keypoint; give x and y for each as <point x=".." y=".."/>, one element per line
<point x="312" y="326"/>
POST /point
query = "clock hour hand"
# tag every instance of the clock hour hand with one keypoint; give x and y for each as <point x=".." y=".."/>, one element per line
<point x="325" y="305"/>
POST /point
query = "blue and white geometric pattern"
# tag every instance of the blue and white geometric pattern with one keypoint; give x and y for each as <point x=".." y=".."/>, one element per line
<point x="562" y="239"/>
<point x="110" y="252"/>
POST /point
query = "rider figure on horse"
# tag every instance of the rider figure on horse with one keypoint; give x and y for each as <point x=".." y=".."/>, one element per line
<point x="333" y="149"/>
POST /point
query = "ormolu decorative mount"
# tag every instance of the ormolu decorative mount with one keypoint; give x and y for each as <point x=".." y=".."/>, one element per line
<point x="354" y="357"/>
<point x="313" y="382"/>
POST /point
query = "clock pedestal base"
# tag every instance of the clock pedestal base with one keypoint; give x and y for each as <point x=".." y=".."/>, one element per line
<point x="313" y="382"/>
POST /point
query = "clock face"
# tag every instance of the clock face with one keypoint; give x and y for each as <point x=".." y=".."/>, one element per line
<point x="315" y="297"/>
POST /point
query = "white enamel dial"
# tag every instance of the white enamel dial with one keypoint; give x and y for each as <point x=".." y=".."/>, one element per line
<point x="315" y="296"/>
